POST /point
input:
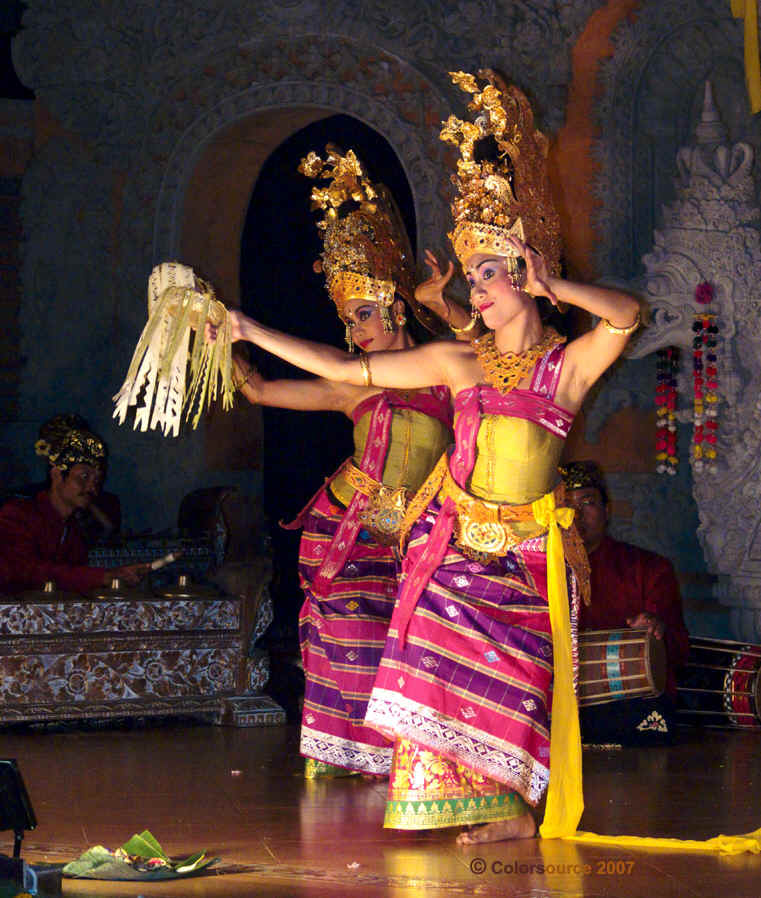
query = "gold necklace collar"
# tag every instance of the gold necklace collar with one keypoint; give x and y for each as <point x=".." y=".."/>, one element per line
<point x="504" y="371"/>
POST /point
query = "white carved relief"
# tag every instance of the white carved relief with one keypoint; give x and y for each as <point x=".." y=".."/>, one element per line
<point x="711" y="233"/>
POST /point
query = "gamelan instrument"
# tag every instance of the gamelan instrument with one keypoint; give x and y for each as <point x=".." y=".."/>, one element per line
<point x="720" y="685"/>
<point x="620" y="664"/>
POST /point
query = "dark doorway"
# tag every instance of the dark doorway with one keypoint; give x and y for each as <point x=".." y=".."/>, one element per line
<point x="279" y="288"/>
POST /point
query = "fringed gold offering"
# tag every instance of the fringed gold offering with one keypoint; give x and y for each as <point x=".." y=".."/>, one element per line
<point x="167" y="376"/>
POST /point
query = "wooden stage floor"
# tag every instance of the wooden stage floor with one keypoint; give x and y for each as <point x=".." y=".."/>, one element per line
<point x="240" y="794"/>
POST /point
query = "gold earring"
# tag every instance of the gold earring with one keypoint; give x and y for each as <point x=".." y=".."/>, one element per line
<point x="401" y="319"/>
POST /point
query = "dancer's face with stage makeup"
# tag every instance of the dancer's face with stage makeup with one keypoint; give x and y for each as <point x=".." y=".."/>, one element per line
<point x="493" y="289"/>
<point x="366" y="325"/>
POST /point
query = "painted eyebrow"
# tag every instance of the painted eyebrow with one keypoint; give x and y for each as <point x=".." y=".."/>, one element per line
<point x="483" y="262"/>
<point x="368" y="305"/>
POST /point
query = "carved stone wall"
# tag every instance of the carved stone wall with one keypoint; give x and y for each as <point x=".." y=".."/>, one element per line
<point x="142" y="89"/>
<point x="136" y="98"/>
<point x="687" y="215"/>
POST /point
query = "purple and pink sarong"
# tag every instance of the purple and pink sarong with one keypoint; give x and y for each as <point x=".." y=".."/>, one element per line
<point x="465" y="681"/>
<point x="350" y="581"/>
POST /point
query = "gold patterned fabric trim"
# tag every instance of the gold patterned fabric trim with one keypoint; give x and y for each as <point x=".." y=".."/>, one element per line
<point x="422" y="498"/>
<point x="483" y="529"/>
<point x="386" y="506"/>
<point x="486" y="527"/>
<point x="398" y="717"/>
<point x="577" y="559"/>
<point x="439" y="813"/>
<point x="321" y="770"/>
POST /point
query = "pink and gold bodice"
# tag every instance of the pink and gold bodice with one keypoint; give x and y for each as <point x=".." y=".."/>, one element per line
<point x="419" y="432"/>
<point x="508" y="446"/>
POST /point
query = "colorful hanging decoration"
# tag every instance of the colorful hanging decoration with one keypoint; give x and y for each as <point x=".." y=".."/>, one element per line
<point x="666" y="457"/>
<point x="705" y="382"/>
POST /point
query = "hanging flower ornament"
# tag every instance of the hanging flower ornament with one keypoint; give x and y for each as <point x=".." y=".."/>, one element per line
<point x="666" y="396"/>
<point x="705" y="382"/>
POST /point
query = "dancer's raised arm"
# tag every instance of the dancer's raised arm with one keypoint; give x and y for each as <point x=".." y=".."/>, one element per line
<point x="305" y="395"/>
<point x="415" y="367"/>
<point x="593" y="352"/>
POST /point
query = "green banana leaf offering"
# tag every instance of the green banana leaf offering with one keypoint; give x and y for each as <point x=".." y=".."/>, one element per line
<point x="140" y="858"/>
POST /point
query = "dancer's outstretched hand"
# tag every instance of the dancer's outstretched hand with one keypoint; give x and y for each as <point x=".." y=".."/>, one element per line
<point x="235" y="318"/>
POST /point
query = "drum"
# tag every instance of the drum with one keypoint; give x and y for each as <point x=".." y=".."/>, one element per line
<point x="620" y="664"/>
<point x="720" y="685"/>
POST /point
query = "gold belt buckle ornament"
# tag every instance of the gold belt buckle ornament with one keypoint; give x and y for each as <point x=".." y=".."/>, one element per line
<point x="384" y="513"/>
<point x="484" y="536"/>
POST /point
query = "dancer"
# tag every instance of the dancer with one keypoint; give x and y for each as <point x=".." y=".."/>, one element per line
<point x="481" y="634"/>
<point x="347" y="567"/>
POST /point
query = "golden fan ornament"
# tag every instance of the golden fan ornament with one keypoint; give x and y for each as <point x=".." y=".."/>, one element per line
<point x="167" y="375"/>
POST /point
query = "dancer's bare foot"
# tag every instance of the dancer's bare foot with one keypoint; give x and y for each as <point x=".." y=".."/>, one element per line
<point x="518" y="828"/>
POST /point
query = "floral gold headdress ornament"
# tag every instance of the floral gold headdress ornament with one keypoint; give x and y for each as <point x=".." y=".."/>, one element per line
<point x="65" y="441"/>
<point x="179" y="304"/>
<point x="366" y="253"/>
<point x="502" y="181"/>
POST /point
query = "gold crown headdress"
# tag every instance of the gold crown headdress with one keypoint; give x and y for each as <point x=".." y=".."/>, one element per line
<point x="366" y="254"/>
<point x="65" y="441"/>
<point x="178" y="302"/>
<point x="508" y="194"/>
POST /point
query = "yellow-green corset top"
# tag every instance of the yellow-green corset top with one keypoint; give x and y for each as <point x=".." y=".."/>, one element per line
<point x="416" y="444"/>
<point x="516" y="460"/>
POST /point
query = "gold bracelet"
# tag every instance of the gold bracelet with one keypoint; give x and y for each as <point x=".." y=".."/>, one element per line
<point x="622" y="331"/>
<point x="468" y="327"/>
<point x="364" y="364"/>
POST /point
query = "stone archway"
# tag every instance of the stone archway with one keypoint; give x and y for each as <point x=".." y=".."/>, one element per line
<point x="206" y="206"/>
<point x="651" y="93"/>
<point x="275" y="90"/>
<point x="380" y="90"/>
<point x="212" y="207"/>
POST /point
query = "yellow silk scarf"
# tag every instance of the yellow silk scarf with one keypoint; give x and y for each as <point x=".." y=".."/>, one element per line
<point x="565" y="799"/>
<point x="748" y="11"/>
<point x="750" y="842"/>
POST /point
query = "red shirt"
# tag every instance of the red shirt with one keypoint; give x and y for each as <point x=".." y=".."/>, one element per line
<point x="37" y="544"/>
<point x="627" y="580"/>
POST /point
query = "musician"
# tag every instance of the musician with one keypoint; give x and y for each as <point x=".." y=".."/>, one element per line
<point x="630" y="587"/>
<point x="40" y="537"/>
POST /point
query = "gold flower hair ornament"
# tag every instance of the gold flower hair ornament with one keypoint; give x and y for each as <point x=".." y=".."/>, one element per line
<point x="366" y="252"/>
<point x="179" y="303"/>
<point x="502" y="181"/>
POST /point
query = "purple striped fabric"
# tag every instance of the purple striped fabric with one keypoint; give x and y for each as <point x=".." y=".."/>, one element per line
<point x="473" y="679"/>
<point x="342" y="634"/>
